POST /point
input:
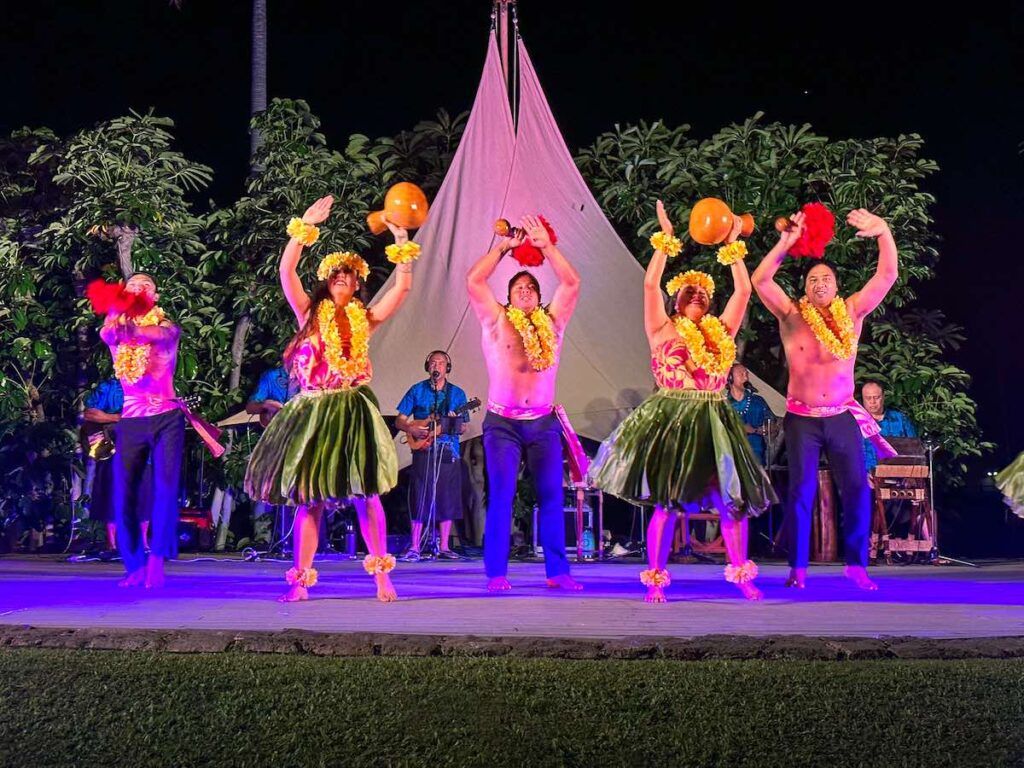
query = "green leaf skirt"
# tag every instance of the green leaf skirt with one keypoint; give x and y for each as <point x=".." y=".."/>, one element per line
<point x="676" y="448"/>
<point x="1011" y="482"/>
<point x="323" y="445"/>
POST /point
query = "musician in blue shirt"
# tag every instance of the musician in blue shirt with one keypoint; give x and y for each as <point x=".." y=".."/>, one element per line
<point x="892" y="422"/>
<point x="102" y="410"/>
<point x="437" y="397"/>
<point x="272" y="392"/>
<point x="751" y="408"/>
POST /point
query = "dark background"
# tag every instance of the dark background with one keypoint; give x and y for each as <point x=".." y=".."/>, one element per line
<point x="378" y="68"/>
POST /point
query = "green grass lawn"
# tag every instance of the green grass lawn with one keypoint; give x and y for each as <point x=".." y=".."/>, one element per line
<point x="107" y="708"/>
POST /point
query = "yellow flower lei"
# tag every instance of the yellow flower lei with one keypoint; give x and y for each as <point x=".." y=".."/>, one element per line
<point x="842" y="347"/>
<point x="307" y="234"/>
<point x="131" y="359"/>
<point x="357" y="362"/>
<point x="373" y="564"/>
<point x="731" y="253"/>
<point x="305" y="577"/>
<point x="655" y="577"/>
<point x="402" y="254"/>
<point x="691" y="277"/>
<point x="711" y="347"/>
<point x="342" y="259"/>
<point x="666" y="243"/>
<point x="538" y="335"/>
<point x="741" y="574"/>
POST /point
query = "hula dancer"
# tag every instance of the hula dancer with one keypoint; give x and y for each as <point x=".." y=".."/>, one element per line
<point x="684" y="446"/>
<point x="820" y="334"/>
<point x="1011" y="482"/>
<point x="329" y="442"/>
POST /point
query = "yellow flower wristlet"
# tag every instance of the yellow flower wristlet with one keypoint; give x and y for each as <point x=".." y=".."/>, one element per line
<point x="307" y="234"/>
<point x="731" y="253"/>
<point x="404" y="253"/>
<point x="666" y="243"/>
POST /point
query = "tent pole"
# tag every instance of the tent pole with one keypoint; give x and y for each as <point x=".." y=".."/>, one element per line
<point x="503" y="38"/>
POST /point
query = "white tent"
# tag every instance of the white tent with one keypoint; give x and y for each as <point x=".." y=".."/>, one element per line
<point x="505" y="171"/>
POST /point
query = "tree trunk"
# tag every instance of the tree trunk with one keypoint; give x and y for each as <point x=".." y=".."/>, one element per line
<point x="258" y="66"/>
<point x="123" y="237"/>
<point x="237" y="349"/>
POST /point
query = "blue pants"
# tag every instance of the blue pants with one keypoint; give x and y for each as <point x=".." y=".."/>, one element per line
<point x="842" y="442"/>
<point x="505" y="442"/>
<point x="159" y="440"/>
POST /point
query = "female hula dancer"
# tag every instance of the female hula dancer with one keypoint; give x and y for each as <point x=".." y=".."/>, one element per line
<point x="684" y="446"/>
<point x="330" y="443"/>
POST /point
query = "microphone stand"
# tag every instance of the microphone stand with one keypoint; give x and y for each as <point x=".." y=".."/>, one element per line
<point x="935" y="556"/>
<point x="434" y="454"/>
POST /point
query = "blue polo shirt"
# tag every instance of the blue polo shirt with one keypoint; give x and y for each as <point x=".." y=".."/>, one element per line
<point x="420" y="401"/>
<point x="893" y="424"/>
<point x="752" y="410"/>
<point x="108" y="396"/>
<point x="273" y="385"/>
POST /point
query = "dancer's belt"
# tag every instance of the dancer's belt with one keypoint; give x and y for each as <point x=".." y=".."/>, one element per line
<point x="520" y="413"/>
<point x="208" y="433"/>
<point x="869" y="428"/>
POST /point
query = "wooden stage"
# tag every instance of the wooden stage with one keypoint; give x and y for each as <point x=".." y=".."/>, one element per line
<point x="447" y="598"/>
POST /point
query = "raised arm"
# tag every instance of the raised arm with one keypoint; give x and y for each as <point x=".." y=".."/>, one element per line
<point x="563" y="303"/>
<point x="736" y="307"/>
<point x="655" y="316"/>
<point x="487" y="308"/>
<point x="763" y="279"/>
<point x="870" y="296"/>
<point x="295" y="294"/>
<point x="399" y="291"/>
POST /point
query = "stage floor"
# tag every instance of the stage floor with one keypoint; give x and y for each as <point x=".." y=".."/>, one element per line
<point x="449" y="599"/>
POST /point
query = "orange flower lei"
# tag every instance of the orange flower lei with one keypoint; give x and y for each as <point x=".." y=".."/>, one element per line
<point x="131" y="359"/>
<point x="373" y="564"/>
<point x="711" y="347"/>
<point x="538" y="335"/>
<point x="843" y="346"/>
<point x="357" y="362"/>
<point x="655" y="577"/>
<point x="741" y="574"/>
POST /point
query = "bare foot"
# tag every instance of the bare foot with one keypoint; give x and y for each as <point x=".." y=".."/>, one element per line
<point x="655" y="595"/>
<point x="154" y="572"/>
<point x="797" y="578"/>
<point x="750" y="591"/>
<point x="565" y="581"/>
<point x="295" y="593"/>
<point x="134" y="579"/>
<point x="385" y="589"/>
<point x="858" y="574"/>
<point x="498" y="584"/>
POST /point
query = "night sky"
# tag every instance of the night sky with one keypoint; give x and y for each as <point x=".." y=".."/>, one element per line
<point x="377" y="68"/>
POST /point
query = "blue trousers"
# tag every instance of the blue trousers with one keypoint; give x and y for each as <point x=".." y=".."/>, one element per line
<point x="840" y="438"/>
<point x="159" y="440"/>
<point x="505" y="443"/>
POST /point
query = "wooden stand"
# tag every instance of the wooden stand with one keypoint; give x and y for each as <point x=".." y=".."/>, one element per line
<point x="901" y="482"/>
<point x="824" y="544"/>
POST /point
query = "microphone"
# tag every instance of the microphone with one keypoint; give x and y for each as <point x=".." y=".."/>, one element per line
<point x="435" y="375"/>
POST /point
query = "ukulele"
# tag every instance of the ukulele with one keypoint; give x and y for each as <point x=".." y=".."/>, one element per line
<point x="434" y="426"/>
